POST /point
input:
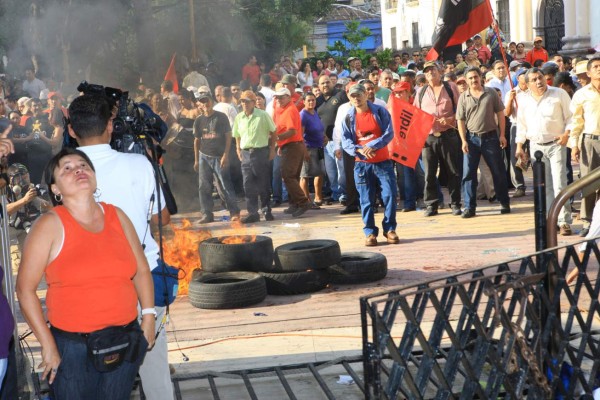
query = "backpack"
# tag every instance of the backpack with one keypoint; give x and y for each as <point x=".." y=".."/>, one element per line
<point x="448" y="89"/>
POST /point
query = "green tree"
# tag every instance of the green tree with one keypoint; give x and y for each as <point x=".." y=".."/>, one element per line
<point x="352" y="39"/>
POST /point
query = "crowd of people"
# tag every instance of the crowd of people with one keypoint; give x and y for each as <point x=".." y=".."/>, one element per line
<point x="310" y="133"/>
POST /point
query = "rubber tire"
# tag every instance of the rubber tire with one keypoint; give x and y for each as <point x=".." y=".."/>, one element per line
<point x="306" y="255"/>
<point x="227" y="290"/>
<point x="290" y="283"/>
<point x="359" y="267"/>
<point x="217" y="257"/>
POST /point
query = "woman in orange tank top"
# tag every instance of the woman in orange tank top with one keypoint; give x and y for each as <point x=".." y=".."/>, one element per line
<point x="96" y="273"/>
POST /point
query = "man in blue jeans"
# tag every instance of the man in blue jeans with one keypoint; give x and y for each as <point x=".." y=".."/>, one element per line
<point x="366" y="132"/>
<point x="479" y="114"/>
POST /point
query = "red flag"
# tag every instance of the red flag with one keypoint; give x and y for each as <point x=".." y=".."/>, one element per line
<point x="171" y="75"/>
<point x="457" y="21"/>
<point x="411" y="127"/>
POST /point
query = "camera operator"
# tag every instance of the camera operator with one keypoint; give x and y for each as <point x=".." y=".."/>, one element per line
<point x="24" y="198"/>
<point x="126" y="180"/>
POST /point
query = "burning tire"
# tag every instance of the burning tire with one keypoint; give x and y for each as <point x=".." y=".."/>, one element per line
<point x="289" y="283"/>
<point x="227" y="290"/>
<point x="358" y="267"/>
<point x="306" y="255"/>
<point x="236" y="253"/>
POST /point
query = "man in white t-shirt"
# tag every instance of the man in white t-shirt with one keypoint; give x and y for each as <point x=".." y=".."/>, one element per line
<point x="128" y="182"/>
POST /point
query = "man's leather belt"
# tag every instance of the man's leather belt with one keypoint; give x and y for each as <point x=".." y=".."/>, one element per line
<point x="546" y="144"/>
<point x="591" y="136"/>
<point x="251" y="149"/>
<point x="484" y="133"/>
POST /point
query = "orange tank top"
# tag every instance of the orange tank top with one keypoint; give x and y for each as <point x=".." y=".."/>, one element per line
<point x="90" y="283"/>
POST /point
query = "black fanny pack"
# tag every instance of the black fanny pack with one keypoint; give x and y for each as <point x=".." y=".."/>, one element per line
<point x="107" y="348"/>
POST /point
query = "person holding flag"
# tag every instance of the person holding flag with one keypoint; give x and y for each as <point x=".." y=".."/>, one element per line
<point x="366" y="132"/>
<point x="443" y="144"/>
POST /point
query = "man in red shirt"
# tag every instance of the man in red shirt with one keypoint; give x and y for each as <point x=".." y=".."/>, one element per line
<point x="537" y="53"/>
<point x="483" y="53"/>
<point x="366" y="132"/>
<point x="292" y="150"/>
<point x="251" y="72"/>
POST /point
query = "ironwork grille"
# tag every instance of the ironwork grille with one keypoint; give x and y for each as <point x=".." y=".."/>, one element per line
<point x="489" y="332"/>
<point x="554" y="25"/>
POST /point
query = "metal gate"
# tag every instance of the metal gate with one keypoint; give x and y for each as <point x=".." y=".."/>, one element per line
<point x="488" y="333"/>
<point x="554" y="25"/>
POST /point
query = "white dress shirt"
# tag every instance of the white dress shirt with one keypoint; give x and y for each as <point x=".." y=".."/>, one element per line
<point x="542" y="120"/>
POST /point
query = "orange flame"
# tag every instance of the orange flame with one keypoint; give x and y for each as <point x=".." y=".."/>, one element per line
<point x="181" y="251"/>
<point x="238" y="239"/>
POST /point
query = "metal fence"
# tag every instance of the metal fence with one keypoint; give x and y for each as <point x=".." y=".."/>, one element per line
<point x="487" y="333"/>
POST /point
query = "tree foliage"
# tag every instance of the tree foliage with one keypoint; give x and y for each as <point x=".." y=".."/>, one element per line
<point x="350" y="46"/>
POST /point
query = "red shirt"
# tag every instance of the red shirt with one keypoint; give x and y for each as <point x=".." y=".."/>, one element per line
<point x="484" y="54"/>
<point x="287" y="118"/>
<point x="534" y="54"/>
<point x="251" y="73"/>
<point x="367" y="129"/>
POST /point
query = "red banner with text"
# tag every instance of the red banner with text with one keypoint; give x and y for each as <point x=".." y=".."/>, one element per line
<point x="411" y="128"/>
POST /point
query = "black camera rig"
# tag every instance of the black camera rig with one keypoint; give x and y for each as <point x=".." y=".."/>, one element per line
<point x="136" y="129"/>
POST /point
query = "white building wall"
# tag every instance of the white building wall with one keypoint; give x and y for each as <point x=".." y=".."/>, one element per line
<point x="407" y="12"/>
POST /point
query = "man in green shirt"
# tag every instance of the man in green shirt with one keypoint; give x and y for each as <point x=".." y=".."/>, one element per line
<point x="254" y="133"/>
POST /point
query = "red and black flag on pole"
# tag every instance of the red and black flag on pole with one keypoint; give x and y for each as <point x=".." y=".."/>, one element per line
<point x="459" y="20"/>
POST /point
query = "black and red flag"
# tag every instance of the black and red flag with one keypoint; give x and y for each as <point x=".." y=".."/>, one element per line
<point x="459" y="20"/>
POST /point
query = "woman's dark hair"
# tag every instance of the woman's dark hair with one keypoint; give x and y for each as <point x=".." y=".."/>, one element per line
<point x="303" y="66"/>
<point x="259" y="94"/>
<point x="53" y="164"/>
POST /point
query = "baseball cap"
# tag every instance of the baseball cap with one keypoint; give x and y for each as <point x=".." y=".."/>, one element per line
<point x="202" y="96"/>
<point x="477" y="36"/>
<point x="401" y="87"/>
<point x="248" y="95"/>
<point x="282" y="92"/>
<point x="44" y="94"/>
<point x="461" y="78"/>
<point x="395" y="76"/>
<point x="289" y="79"/>
<point x="358" y="88"/>
<point x="429" y="64"/>
<point x="538" y="39"/>
<point x="351" y="59"/>
<point x="514" y="64"/>
<point x="520" y="72"/>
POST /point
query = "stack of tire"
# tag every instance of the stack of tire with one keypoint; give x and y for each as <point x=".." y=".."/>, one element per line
<point x="242" y="274"/>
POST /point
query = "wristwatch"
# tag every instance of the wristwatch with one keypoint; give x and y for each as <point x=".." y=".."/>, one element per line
<point x="149" y="311"/>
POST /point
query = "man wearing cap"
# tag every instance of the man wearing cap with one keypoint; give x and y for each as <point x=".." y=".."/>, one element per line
<point x="366" y="132"/>
<point x="537" y="53"/>
<point x="55" y="103"/>
<point x="542" y="118"/>
<point x="292" y="149"/>
<point x="483" y="53"/>
<point x="442" y="146"/>
<point x="289" y="82"/>
<point x="254" y="132"/>
<point x="212" y="140"/>
<point x="585" y="132"/>
<point x="328" y="104"/>
<point x="479" y="114"/>
<point x="461" y="84"/>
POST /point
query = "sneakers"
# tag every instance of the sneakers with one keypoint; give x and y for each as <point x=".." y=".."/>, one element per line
<point x="302" y="209"/>
<point x="431" y="211"/>
<point x="565" y="230"/>
<point x="371" y="241"/>
<point x="250" y="218"/>
<point x="505" y="209"/>
<point x="391" y="237"/>
<point x="468" y="213"/>
<point x="456" y="210"/>
<point x="520" y="192"/>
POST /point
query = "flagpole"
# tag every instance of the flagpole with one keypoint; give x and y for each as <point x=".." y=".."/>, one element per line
<point x="497" y="30"/>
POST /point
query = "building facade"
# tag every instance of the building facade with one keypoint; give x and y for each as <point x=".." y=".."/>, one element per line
<point x="567" y="26"/>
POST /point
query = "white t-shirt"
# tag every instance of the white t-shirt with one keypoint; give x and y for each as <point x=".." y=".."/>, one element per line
<point x="127" y="181"/>
<point x="227" y="109"/>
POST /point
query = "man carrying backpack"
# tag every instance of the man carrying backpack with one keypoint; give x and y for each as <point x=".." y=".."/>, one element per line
<point x="443" y="145"/>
